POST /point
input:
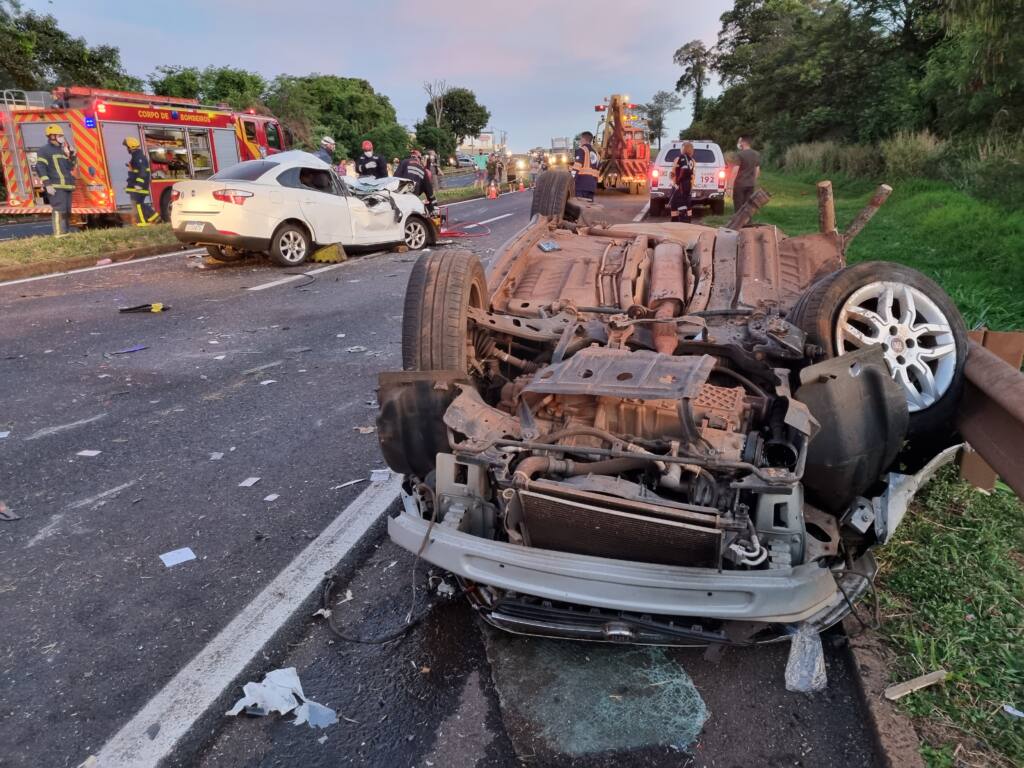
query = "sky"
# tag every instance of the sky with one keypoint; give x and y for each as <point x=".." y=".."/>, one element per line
<point x="539" y="66"/>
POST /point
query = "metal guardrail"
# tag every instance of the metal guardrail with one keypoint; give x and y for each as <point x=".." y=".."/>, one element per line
<point x="991" y="415"/>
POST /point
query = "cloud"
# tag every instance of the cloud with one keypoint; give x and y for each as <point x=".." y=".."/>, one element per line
<point x="539" y="66"/>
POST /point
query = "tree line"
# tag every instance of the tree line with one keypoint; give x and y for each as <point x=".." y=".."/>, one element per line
<point x="858" y="71"/>
<point x="38" y="55"/>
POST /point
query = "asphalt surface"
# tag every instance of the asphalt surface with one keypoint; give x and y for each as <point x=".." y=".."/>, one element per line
<point x="274" y="380"/>
<point x="28" y="228"/>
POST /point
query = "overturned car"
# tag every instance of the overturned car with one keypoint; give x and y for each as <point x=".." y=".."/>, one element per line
<point x="665" y="433"/>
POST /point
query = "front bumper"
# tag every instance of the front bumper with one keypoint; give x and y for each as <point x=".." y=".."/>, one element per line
<point x="782" y="596"/>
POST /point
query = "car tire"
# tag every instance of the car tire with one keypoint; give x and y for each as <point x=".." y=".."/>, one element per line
<point x="442" y="287"/>
<point x="290" y="245"/>
<point x="919" y="326"/>
<point x="657" y="208"/>
<point x="718" y="207"/>
<point x="551" y="194"/>
<point x="417" y="233"/>
<point x="165" y="206"/>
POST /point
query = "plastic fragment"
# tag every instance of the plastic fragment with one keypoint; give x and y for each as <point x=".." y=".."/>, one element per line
<point x="216" y="456"/>
<point x="356" y="348"/>
<point x="898" y="691"/>
<point x="365" y="430"/>
<point x="7" y="514"/>
<point x="378" y="476"/>
<point x="272" y="497"/>
<point x="805" y="667"/>
<point x="88" y="453"/>
<point x="1012" y="711"/>
<point x="4" y="435"/>
<point x="177" y="556"/>
<point x="347" y="484"/>
<point x="268" y="381"/>
<point x="281" y="691"/>
<point x="129" y="350"/>
<point x="249" y="482"/>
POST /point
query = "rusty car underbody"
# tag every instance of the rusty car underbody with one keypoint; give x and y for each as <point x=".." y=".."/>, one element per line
<point x="638" y="442"/>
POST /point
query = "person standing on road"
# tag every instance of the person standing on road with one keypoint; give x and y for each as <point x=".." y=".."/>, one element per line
<point x="682" y="185"/>
<point x="139" y="176"/>
<point x="585" y="167"/>
<point x="370" y="164"/>
<point x="412" y="168"/>
<point x="534" y="169"/>
<point x="749" y="170"/>
<point x="55" y="166"/>
<point x="326" y="151"/>
<point x="434" y="168"/>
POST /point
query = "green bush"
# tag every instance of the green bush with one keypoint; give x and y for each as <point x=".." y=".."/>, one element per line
<point x="993" y="169"/>
<point x="859" y="160"/>
<point x="807" y="157"/>
<point x="908" y="154"/>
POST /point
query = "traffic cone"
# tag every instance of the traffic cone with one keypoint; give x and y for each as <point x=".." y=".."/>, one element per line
<point x="492" y="191"/>
<point x="521" y="187"/>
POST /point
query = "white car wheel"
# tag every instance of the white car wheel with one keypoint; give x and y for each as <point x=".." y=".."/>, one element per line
<point x="915" y="334"/>
<point x="415" y="234"/>
<point x="290" y="245"/>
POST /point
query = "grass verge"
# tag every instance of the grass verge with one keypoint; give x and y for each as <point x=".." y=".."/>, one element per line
<point x="970" y="247"/>
<point x="952" y="596"/>
<point x="458" y="193"/>
<point x="96" y="242"/>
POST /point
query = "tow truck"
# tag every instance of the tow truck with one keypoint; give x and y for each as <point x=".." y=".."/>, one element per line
<point x="623" y="145"/>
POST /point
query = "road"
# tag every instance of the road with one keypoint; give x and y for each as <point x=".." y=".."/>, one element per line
<point x="257" y="372"/>
<point x="28" y="228"/>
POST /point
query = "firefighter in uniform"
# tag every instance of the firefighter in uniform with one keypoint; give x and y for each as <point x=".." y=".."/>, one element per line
<point x="585" y="167"/>
<point x="412" y="168"/>
<point x="682" y="185"/>
<point x="138" y="183"/>
<point x="55" y="166"/>
<point x="369" y="164"/>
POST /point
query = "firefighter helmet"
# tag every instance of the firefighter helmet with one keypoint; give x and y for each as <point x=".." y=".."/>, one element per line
<point x="326" y="141"/>
<point x="131" y="142"/>
<point x="54" y="130"/>
<point x="367" y="146"/>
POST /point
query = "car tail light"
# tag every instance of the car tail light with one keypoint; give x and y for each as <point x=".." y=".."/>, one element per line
<point x="236" y="196"/>
<point x="655" y="174"/>
<point x="721" y="179"/>
<point x="175" y="195"/>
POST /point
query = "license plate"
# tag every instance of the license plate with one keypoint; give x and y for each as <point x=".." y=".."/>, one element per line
<point x="194" y="226"/>
<point x="707" y="180"/>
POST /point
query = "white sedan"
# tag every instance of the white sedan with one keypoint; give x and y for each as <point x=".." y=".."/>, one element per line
<point x="288" y="204"/>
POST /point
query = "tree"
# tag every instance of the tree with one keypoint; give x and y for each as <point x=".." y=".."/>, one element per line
<point x="463" y="115"/>
<point x="441" y="140"/>
<point x="436" y="92"/>
<point x="345" y="108"/>
<point x="657" y="109"/>
<point x="695" y="59"/>
<point x="214" y="85"/>
<point x="38" y="55"/>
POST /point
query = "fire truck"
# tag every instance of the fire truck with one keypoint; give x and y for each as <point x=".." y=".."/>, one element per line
<point x="623" y="146"/>
<point x="182" y="138"/>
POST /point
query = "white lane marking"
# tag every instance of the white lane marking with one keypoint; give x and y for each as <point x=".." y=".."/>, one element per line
<point x="177" y="707"/>
<point x="102" y="266"/>
<point x="643" y="211"/>
<point x="487" y="221"/>
<point x="472" y="200"/>
<point x="292" y="278"/>
<point x="47" y="431"/>
<point x="46" y="531"/>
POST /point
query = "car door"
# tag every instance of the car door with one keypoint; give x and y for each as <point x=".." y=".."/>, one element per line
<point x="373" y="220"/>
<point x="321" y="203"/>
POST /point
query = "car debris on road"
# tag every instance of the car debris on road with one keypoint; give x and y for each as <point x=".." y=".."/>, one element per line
<point x="281" y="691"/>
<point x="664" y="433"/>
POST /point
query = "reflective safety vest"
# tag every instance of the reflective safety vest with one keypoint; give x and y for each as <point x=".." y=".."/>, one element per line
<point x="588" y="164"/>
<point x="54" y="168"/>
<point x="138" y="173"/>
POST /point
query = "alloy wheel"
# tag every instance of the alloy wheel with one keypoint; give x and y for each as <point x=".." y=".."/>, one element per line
<point x="916" y="337"/>
<point x="293" y="246"/>
<point x="415" y="234"/>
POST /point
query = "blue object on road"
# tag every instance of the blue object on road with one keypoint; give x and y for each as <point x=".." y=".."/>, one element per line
<point x="129" y="350"/>
<point x="548" y="245"/>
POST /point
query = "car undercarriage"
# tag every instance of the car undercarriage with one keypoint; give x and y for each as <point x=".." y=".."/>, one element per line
<point x="665" y="433"/>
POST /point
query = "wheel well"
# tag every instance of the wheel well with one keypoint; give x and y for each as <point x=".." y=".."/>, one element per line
<point x="298" y="223"/>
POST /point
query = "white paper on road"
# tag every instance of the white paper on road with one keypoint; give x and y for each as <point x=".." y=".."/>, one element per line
<point x="281" y="691"/>
<point x="178" y="556"/>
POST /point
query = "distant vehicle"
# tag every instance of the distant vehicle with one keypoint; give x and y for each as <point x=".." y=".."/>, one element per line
<point x="708" y="178"/>
<point x="288" y="204"/>
<point x="623" y="145"/>
<point x="465" y="161"/>
<point x="560" y="154"/>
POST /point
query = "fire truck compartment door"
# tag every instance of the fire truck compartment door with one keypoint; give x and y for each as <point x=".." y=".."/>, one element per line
<point x="114" y="135"/>
<point x="226" y="146"/>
